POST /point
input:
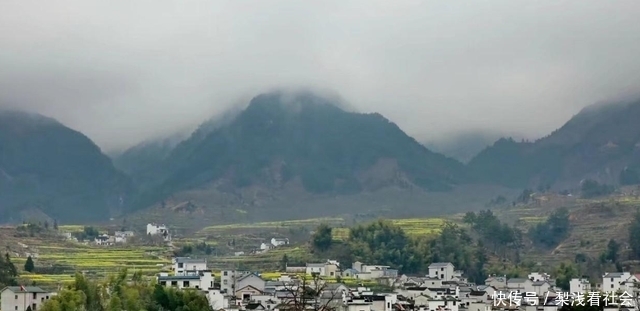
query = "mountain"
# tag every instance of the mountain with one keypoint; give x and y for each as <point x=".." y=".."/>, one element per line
<point x="48" y="167"/>
<point x="282" y="139"/>
<point x="463" y="146"/>
<point x="599" y="143"/>
<point x="142" y="160"/>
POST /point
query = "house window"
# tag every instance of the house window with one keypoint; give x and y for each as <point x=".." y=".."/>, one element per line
<point x="16" y="298"/>
<point x="163" y="283"/>
<point x="197" y="287"/>
<point x="246" y="296"/>
<point x="225" y="273"/>
<point x="16" y="308"/>
<point x="611" y="285"/>
<point x="611" y="279"/>
<point x="185" y="284"/>
<point x="174" y="283"/>
<point x="35" y="295"/>
<point x="331" y="273"/>
<point x="224" y="282"/>
<point x="180" y="265"/>
<point x="441" y="269"/>
<point x="33" y="306"/>
<point x="442" y="276"/>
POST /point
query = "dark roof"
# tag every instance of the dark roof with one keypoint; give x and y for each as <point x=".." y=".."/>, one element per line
<point x="178" y="277"/>
<point x="477" y="293"/>
<point x="248" y="275"/>
<point x="28" y="289"/>
<point x="517" y="280"/>
<point x="254" y="306"/>
<point x="373" y="297"/>
<point x="190" y="260"/>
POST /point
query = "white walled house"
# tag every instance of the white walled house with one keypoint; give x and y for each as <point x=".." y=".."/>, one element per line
<point x="444" y="303"/>
<point x="538" y="277"/>
<point x="582" y="286"/>
<point x="442" y="270"/>
<point x="217" y="300"/>
<point x="202" y="280"/>
<point x="228" y="280"/>
<point x="183" y="264"/>
<point x="612" y="282"/>
<point x="541" y="287"/>
<point x="20" y="298"/>
<point x="279" y="242"/>
<point x="251" y="280"/>
<point x="315" y="268"/>
<point x="155" y="229"/>
<point x="520" y="285"/>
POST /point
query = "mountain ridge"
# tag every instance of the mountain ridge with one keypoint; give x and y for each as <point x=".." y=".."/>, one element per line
<point x="58" y="170"/>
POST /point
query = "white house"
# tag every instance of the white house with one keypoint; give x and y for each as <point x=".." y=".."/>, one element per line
<point x="520" y="285"/>
<point x="122" y="236"/>
<point x="155" y="229"/>
<point x="315" y="268"/>
<point x="582" y="286"/>
<point x="181" y="265"/>
<point x="22" y="297"/>
<point x="541" y="287"/>
<point x="266" y="247"/>
<point x="202" y="280"/>
<point x="442" y="270"/>
<point x="444" y="303"/>
<point x="538" y="277"/>
<point x="611" y="282"/>
<point x="102" y="240"/>
<point x="228" y="280"/>
<point x="279" y="242"/>
<point x="217" y="300"/>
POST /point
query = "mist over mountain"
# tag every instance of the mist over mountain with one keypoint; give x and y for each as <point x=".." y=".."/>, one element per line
<point x="597" y="143"/>
<point x="48" y="167"/>
<point x="463" y="146"/>
<point x="281" y="138"/>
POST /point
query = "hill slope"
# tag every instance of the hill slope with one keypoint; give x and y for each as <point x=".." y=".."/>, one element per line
<point x="597" y="143"/>
<point x="45" y="165"/>
<point x="280" y="140"/>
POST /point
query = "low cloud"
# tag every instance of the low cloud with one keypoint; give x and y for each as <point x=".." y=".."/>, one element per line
<point x="122" y="72"/>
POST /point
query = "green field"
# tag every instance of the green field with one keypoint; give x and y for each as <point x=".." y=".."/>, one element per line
<point x="58" y="260"/>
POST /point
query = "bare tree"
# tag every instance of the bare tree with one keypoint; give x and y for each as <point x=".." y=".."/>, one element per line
<point x="310" y="293"/>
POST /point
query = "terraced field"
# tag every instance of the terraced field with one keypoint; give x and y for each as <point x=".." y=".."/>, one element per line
<point x="275" y="225"/>
<point x="57" y="260"/>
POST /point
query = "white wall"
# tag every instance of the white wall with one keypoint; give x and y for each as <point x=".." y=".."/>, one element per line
<point x="9" y="301"/>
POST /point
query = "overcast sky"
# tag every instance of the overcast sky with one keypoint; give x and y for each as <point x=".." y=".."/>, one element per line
<point x="123" y="71"/>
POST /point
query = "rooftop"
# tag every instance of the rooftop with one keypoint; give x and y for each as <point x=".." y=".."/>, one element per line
<point x="190" y="260"/>
<point x="28" y="289"/>
<point x="178" y="277"/>
<point x="440" y="264"/>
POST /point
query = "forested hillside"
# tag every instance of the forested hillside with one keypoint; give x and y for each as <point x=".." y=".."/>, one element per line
<point x="47" y="166"/>
<point x="602" y="143"/>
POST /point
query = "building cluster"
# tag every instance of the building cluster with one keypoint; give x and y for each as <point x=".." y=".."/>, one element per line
<point x="119" y="237"/>
<point x="269" y="245"/>
<point x="443" y="289"/>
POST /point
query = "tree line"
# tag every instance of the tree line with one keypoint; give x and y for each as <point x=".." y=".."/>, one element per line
<point x="121" y="292"/>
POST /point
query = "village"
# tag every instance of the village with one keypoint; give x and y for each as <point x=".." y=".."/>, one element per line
<point x="443" y="289"/>
<point x="323" y="286"/>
